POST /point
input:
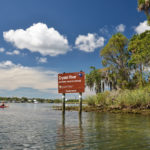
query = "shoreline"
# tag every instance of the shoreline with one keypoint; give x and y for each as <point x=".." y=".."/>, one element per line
<point x="142" y="111"/>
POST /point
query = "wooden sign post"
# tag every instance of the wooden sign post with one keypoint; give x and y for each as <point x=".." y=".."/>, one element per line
<point x="80" y="103"/>
<point x="71" y="83"/>
<point x="63" y="102"/>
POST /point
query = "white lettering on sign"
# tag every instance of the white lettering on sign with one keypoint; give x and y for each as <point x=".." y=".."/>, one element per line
<point x="72" y="77"/>
<point x="70" y="81"/>
<point x="67" y="77"/>
<point x="73" y="81"/>
<point x="63" y="78"/>
<point x="62" y="81"/>
<point x="66" y="86"/>
<point x="71" y="91"/>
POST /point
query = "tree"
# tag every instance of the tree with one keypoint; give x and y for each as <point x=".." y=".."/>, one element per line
<point x="144" y="5"/>
<point x="93" y="80"/>
<point x="115" y="56"/>
<point x="108" y="78"/>
<point x="139" y="48"/>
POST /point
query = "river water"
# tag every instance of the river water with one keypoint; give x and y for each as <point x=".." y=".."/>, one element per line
<point x="38" y="126"/>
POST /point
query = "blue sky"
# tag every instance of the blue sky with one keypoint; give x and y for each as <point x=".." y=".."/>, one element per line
<point x="39" y="39"/>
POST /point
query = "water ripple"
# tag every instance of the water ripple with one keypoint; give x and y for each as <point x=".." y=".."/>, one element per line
<point x="30" y="126"/>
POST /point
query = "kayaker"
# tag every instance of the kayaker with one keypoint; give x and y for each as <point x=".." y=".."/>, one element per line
<point x="3" y="104"/>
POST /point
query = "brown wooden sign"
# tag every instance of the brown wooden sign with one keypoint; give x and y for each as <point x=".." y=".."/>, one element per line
<point x="71" y="82"/>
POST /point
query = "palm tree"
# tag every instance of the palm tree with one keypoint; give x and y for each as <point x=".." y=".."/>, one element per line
<point x="144" y="5"/>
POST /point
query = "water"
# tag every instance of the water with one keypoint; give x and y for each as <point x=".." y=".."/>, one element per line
<point x="38" y="126"/>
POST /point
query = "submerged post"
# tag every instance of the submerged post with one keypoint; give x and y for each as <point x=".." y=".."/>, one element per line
<point x="63" y="102"/>
<point x="80" y="103"/>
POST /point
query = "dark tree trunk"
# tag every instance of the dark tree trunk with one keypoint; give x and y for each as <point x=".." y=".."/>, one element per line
<point x="110" y="86"/>
<point x="103" y="87"/>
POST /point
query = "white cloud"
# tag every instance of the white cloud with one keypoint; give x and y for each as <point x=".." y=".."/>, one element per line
<point x="15" y="52"/>
<point x="14" y="76"/>
<point x="142" y="27"/>
<point x="120" y="28"/>
<point x="2" y="50"/>
<point x="6" y="64"/>
<point x="89" y="43"/>
<point x="41" y="59"/>
<point x="38" y="38"/>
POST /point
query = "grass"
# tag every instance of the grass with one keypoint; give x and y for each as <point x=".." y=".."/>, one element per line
<point x="139" y="98"/>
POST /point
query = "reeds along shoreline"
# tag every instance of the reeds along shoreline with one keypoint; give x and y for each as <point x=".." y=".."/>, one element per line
<point x="122" y="99"/>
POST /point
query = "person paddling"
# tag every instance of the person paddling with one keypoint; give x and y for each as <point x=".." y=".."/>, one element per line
<point x="3" y="104"/>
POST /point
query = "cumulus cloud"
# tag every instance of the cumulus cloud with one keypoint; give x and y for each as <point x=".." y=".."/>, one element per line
<point x="89" y="43"/>
<point x="41" y="59"/>
<point x="38" y="38"/>
<point x="120" y="28"/>
<point x="14" y="76"/>
<point x="15" y="52"/>
<point x="2" y="50"/>
<point x="142" y="27"/>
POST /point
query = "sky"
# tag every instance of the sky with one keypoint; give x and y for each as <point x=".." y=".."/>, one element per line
<point x="39" y="39"/>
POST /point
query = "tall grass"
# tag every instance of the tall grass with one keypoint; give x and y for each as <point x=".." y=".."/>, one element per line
<point x="98" y="100"/>
<point x="124" y="98"/>
<point x="133" y="99"/>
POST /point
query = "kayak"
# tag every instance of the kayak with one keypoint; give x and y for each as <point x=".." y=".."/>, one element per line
<point x="3" y="106"/>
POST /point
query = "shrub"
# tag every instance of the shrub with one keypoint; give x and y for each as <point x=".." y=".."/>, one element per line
<point x="101" y="99"/>
<point x="91" y="100"/>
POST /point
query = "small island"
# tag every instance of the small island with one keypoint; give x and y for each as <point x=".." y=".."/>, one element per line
<point x="123" y="84"/>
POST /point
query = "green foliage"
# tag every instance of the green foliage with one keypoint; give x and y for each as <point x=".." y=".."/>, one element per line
<point x="93" y="80"/>
<point x="141" y="2"/>
<point x="102" y="98"/>
<point x="139" y="98"/>
<point x="98" y="100"/>
<point x="114" y="50"/>
<point x="133" y="99"/>
<point x="25" y="100"/>
<point x="91" y="100"/>
<point x="139" y="49"/>
<point x="115" y="55"/>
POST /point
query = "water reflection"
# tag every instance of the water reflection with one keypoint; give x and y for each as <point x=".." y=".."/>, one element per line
<point x="116" y="131"/>
<point x="80" y="121"/>
<point x="70" y="137"/>
<point x="63" y="119"/>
